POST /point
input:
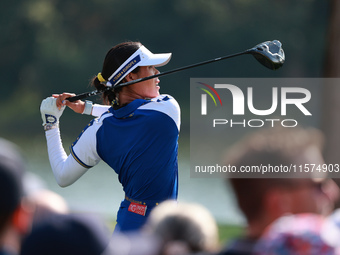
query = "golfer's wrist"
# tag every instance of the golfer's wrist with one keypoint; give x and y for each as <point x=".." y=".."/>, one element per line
<point x="50" y="126"/>
<point x="88" y="107"/>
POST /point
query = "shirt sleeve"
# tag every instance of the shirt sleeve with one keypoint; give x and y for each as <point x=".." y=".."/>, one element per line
<point x="65" y="168"/>
<point x="84" y="149"/>
<point x="98" y="110"/>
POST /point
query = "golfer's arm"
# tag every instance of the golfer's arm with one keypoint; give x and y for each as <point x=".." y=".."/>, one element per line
<point x="98" y="110"/>
<point x="65" y="168"/>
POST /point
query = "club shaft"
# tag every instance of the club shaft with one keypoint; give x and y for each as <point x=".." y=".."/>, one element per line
<point x="96" y="92"/>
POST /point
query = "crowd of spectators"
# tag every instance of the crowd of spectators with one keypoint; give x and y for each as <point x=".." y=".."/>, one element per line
<point x="293" y="215"/>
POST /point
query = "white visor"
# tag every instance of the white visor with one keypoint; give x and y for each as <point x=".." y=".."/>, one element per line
<point x="142" y="57"/>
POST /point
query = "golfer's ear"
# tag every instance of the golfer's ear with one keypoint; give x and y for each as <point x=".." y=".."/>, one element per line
<point x="130" y="77"/>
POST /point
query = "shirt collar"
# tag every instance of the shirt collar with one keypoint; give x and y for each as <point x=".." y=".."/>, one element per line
<point x="128" y="109"/>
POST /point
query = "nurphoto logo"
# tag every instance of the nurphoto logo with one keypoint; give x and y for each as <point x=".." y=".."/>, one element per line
<point x="224" y="111"/>
<point x="280" y="99"/>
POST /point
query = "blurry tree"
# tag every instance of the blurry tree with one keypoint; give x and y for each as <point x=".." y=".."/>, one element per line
<point x="57" y="45"/>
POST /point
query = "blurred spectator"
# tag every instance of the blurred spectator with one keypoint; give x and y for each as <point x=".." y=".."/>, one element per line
<point x="47" y="203"/>
<point x="134" y="243"/>
<point x="330" y="231"/>
<point x="298" y="234"/>
<point x="15" y="210"/>
<point x="183" y="228"/>
<point x="173" y="228"/>
<point x="67" y="234"/>
<point x="45" y="200"/>
<point x="263" y="200"/>
<point x="55" y="230"/>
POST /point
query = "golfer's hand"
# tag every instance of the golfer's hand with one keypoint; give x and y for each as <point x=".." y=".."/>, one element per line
<point x="50" y="113"/>
<point x="77" y="106"/>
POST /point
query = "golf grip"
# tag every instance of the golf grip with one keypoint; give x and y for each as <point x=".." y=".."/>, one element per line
<point x="83" y="95"/>
<point x="96" y="92"/>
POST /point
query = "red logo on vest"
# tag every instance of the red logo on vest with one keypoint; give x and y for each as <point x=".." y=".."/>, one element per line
<point x="137" y="208"/>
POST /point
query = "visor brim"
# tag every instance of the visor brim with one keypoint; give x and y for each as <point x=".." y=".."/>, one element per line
<point x="150" y="59"/>
<point x="142" y="57"/>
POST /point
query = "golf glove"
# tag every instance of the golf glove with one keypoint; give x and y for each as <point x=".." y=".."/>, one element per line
<point x="50" y="113"/>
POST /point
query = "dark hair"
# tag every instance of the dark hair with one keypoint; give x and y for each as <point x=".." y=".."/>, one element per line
<point x="67" y="234"/>
<point x="116" y="56"/>
<point x="11" y="180"/>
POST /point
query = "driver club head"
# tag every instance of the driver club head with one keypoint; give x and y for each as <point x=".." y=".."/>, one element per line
<point x="270" y="54"/>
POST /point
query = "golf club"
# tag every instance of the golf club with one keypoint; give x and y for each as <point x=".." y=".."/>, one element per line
<point x="269" y="53"/>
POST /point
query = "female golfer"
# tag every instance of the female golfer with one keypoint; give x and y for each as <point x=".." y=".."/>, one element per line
<point x="137" y="135"/>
